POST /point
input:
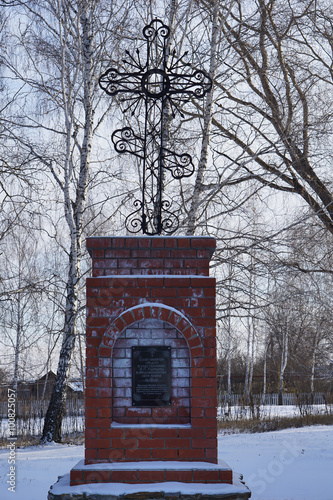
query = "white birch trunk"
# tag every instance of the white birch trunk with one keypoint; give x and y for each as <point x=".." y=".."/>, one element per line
<point x="248" y="359"/>
<point x="18" y="321"/>
<point x="250" y="333"/>
<point x="314" y="358"/>
<point x="74" y="216"/>
<point x="284" y="361"/>
<point x="264" y="390"/>
<point x="17" y="342"/>
<point x="252" y="352"/>
<point x="229" y="364"/>
<point x="229" y="345"/>
<point x="201" y="169"/>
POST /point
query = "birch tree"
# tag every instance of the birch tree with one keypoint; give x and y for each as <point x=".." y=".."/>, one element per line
<point x="64" y="44"/>
<point x="270" y="114"/>
<point x="193" y="213"/>
<point x="21" y="293"/>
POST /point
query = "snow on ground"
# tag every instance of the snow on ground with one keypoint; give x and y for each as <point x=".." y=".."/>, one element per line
<point x="37" y="467"/>
<point x="292" y="464"/>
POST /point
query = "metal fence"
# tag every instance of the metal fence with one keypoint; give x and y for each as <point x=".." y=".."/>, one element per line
<point x="75" y="407"/>
<point x="288" y="399"/>
<point x="33" y="408"/>
<point x="29" y="418"/>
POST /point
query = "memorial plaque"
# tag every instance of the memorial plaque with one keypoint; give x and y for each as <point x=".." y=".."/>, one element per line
<point x="151" y="376"/>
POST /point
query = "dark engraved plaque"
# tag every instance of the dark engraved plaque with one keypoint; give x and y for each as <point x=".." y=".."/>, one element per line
<point x="151" y="376"/>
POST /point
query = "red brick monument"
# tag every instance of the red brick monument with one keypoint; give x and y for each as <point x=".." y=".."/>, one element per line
<point x="151" y="365"/>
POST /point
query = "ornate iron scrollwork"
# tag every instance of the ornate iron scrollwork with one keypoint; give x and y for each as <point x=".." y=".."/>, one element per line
<point x="160" y="84"/>
<point x="125" y="141"/>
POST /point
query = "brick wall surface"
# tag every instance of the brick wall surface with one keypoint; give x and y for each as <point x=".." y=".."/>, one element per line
<point x="151" y="291"/>
<point x="150" y="332"/>
<point x="143" y="255"/>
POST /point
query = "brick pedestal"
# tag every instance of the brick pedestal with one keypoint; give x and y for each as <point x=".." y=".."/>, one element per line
<point x="151" y="292"/>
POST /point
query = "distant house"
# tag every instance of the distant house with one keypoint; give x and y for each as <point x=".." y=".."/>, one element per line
<point x="42" y="388"/>
<point x="45" y="383"/>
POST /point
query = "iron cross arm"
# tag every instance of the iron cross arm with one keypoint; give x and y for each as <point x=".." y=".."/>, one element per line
<point x="156" y="83"/>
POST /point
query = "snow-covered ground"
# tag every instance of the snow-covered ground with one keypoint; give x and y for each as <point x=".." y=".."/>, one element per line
<point x="292" y="464"/>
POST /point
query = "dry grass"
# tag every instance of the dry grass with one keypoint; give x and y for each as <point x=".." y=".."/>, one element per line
<point x="273" y="423"/>
<point x="23" y="442"/>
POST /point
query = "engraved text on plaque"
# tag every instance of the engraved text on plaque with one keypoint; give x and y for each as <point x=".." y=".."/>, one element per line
<point x="151" y="375"/>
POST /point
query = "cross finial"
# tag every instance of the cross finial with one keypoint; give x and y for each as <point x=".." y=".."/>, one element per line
<point x="158" y="86"/>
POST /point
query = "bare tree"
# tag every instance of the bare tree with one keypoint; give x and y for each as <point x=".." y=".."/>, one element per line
<point x="270" y="115"/>
<point x="63" y="46"/>
<point x="24" y="292"/>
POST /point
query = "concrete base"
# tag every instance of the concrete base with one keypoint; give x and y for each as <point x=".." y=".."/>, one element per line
<point x="62" y="490"/>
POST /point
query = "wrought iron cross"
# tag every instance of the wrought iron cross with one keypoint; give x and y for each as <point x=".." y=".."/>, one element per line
<point x="156" y="88"/>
